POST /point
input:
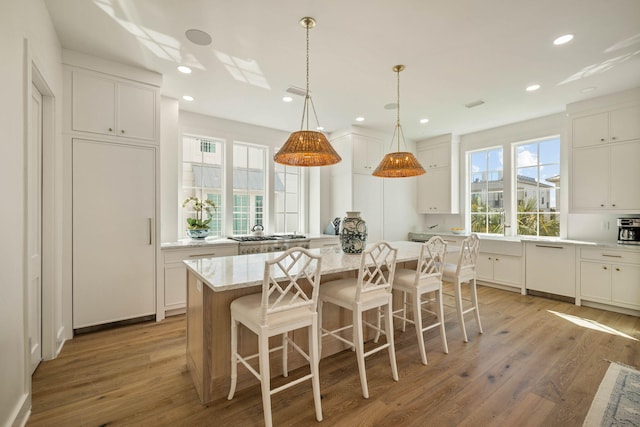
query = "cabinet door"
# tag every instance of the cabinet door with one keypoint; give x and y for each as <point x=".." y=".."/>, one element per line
<point x="625" y="285"/>
<point x="367" y="199"/>
<point x="93" y="104"/>
<point x="437" y="157"/>
<point x="507" y="269"/>
<point x="590" y="130"/>
<point x="625" y="176"/>
<point x="550" y="268"/>
<point x="175" y="286"/>
<point x="595" y="281"/>
<point x="590" y="183"/>
<point x="324" y="243"/>
<point x="114" y="247"/>
<point x="625" y="124"/>
<point x="136" y="112"/>
<point x="367" y="154"/>
<point x="434" y="191"/>
<point x="484" y="267"/>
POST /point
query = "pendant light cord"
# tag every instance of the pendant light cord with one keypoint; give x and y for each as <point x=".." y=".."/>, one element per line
<point x="398" y="112"/>
<point x="307" y="97"/>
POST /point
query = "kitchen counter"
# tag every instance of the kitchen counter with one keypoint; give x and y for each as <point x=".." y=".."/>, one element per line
<point x="214" y="241"/>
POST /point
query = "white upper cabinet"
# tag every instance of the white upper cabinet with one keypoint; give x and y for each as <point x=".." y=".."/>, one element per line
<point x="605" y="148"/>
<point x="618" y="125"/>
<point x="110" y="106"/>
<point x="438" y="188"/>
<point x="367" y="154"/>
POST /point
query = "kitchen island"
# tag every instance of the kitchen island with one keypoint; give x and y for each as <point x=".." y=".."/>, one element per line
<point x="212" y="284"/>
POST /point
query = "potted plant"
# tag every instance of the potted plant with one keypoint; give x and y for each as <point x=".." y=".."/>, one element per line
<point x="198" y="227"/>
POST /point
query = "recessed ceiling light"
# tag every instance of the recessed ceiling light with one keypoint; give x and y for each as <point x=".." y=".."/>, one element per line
<point x="533" y="88"/>
<point x="320" y="128"/>
<point x="423" y="121"/>
<point x="563" y="39"/>
<point x="359" y="119"/>
<point x="287" y="98"/>
<point x="187" y="97"/>
<point x="588" y="89"/>
<point x="184" y="69"/>
<point x="198" y="37"/>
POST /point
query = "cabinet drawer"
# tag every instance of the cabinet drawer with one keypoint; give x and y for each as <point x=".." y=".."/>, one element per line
<point x="210" y="251"/>
<point x="501" y="247"/>
<point x="610" y="256"/>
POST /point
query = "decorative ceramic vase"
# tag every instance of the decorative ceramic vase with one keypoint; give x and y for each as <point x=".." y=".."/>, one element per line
<point x="198" y="233"/>
<point x="353" y="233"/>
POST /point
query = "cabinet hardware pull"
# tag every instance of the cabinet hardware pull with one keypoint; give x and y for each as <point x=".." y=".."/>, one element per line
<point x="497" y="259"/>
<point x="110" y="130"/>
<point x="201" y="255"/>
<point x="617" y="269"/>
<point x="550" y="247"/>
<point x="329" y="244"/>
<point x="613" y="138"/>
<point x="602" y="139"/>
<point x="122" y="131"/>
<point x="150" y="230"/>
<point x="614" y="205"/>
<point x="602" y="205"/>
<point x="612" y="256"/>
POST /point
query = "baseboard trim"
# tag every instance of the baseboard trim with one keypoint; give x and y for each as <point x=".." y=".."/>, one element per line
<point x="607" y="307"/>
<point x="21" y="413"/>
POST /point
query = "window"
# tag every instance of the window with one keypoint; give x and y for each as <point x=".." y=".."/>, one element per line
<point x="287" y="186"/>
<point x="249" y="189"/>
<point x="537" y="187"/>
<point x="486" y="191"/>
<point x="202" y="176"/>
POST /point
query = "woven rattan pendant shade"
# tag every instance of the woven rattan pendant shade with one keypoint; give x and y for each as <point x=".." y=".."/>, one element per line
<point x="400" y="164"/>
<point x="307" y="148"/>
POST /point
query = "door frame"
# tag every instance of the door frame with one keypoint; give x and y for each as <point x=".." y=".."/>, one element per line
<point x="51" y="342"/>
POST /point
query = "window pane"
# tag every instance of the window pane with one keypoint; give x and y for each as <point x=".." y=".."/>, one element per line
<point x="550" y="151"/>
<point x="549" y="224"/>
<point x="496" y="223"/>
<point x="479" y="202"/>
<point x="527" y="224"/>
<point x="479" y="223"/>
<point x="478" y="161"/>
<point x="288" y="199"/>
<point x="527" y="155"/>
<point x="249" y="187"/>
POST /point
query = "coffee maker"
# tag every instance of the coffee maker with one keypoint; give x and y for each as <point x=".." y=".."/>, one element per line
<point x="629" y="231"/>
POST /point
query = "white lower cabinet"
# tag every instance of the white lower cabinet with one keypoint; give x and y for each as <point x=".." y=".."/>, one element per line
<point x="550" y="268"/>
<point x="500" y="262"/>
<point x="173" y="283"/>
<point x="610" y="277"/>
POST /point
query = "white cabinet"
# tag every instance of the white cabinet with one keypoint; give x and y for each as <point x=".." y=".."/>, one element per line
<point x="605" y="178"/>
<point x="325" y="242"/>
<point x="106" y="105"/>
<point x="114" y="232"/>
<point x="173" y="283"/>
<point x="550" y="268"/>
<point x="500" y="262"/>
<point x="617" y="125"/>
<point x="610" y="277"/>
<point x="438" y="187"/>
<point x="367" y="154"/>
<point x="353" y="186"/>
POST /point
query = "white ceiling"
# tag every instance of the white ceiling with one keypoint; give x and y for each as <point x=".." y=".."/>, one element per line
<point x="455" y="52"/>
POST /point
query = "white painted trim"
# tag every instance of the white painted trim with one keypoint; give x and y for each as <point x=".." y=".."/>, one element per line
<point x="21" y="413"/>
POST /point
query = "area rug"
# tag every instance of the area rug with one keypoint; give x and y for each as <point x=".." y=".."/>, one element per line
<point x="617" y="402"/>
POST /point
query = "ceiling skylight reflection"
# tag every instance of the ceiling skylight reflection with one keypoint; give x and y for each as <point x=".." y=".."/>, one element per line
<point x="246" y="71"/>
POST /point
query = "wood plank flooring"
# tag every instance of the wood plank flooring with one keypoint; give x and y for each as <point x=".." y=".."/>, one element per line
<point x="530" y="367"/>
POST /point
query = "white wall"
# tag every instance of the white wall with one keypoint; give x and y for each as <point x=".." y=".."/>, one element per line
<point x="169" y="168"/>
<point x="19" y="21"/>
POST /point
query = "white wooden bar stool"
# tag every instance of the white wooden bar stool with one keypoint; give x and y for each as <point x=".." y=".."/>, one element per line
<point x="465" y="272"/>
<point x="288" y="302"/>
<point x="425" y="279"/>
<point x="370" y="290"/>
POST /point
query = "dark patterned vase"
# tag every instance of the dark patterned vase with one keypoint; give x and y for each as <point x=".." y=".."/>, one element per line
<point x="353" y="233"/>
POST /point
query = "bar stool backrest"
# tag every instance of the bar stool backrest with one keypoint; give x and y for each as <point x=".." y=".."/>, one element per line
<point x="377" y="267"/>
<point x="431" y="261"/>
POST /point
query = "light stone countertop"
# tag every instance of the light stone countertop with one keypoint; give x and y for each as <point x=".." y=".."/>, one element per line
<point x="524" y="239"/>
<point x="243" y="271"/>
<point x="215" y="241"/>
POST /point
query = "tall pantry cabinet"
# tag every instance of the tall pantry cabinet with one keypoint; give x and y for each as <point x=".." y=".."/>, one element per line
<point x="111" y="128"/>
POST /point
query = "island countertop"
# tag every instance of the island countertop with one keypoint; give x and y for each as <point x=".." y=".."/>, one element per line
<point x="243" y="271"/>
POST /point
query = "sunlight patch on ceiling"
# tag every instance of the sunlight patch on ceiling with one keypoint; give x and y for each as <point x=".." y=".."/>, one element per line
<point x="161" y="45"/>
<point x="624" y="43"/>
<point x="246" y="71"/>
<point x="591" y="324"/>
<point x="602" y="67"/>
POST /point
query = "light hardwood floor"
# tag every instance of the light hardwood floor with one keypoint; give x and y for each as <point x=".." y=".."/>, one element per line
<point x="530" y="367"/>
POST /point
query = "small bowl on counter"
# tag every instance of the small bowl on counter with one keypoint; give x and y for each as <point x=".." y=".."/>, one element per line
<point x="458" y="231"/>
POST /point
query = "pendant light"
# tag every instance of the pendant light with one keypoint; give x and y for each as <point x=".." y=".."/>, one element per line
<point x="400" y="164"/>
<point x="307" y="147"/>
